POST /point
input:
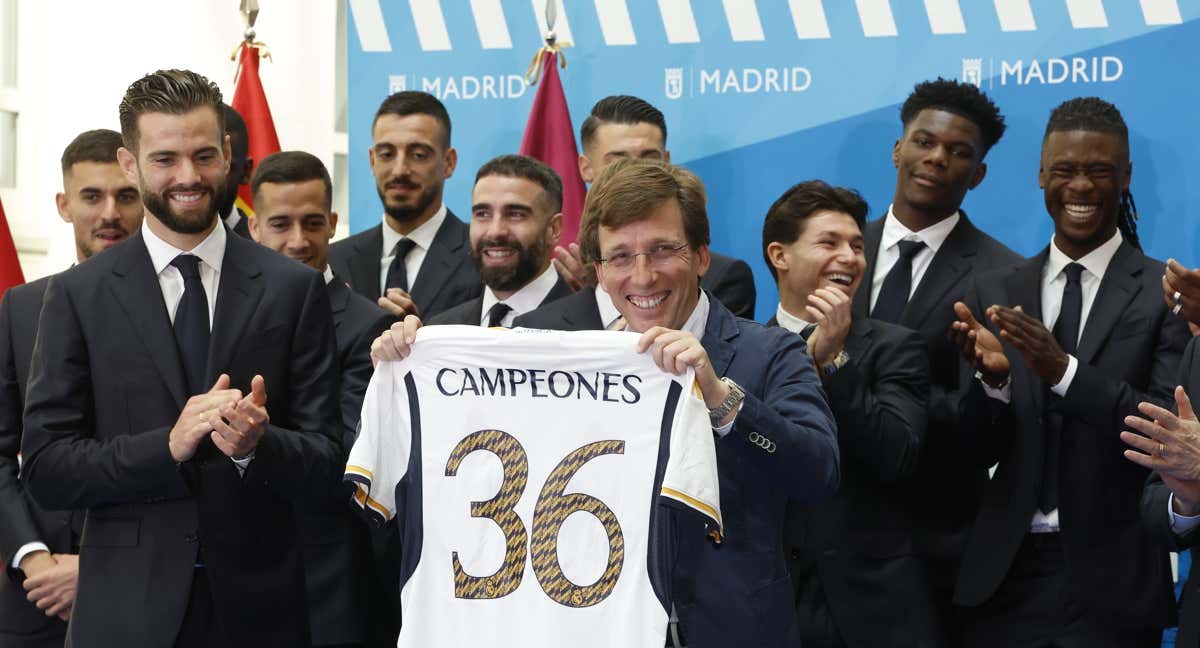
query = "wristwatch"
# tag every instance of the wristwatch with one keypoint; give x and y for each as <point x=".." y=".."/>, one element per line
<point x="839" y="361"/>
<point x="732" y="400"/>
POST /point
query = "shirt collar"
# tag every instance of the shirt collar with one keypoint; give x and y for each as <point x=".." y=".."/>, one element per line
<point x="933" y="236"/>
<point x="1095" y="262"/>
<point x="789" y="321"/>
<point x="699" y="318"/>
<point x="608" y="312"/>
<point x="529" y="297"/>
<point x="328" y="275"/>
<point x="422" y="236"/>
<point x="211" y="250"/>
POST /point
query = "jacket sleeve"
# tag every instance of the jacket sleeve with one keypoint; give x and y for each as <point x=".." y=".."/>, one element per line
<point x="881" y="422"/>
<point x="66" y="467"/>
<point x="793" y="420"/>
<point x="17" y="525"/>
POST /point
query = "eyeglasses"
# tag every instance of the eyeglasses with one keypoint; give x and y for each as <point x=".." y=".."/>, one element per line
<point x="659" y="255"/>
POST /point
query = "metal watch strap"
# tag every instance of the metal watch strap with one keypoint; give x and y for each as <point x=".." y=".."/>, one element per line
<point x="732" y="400"/>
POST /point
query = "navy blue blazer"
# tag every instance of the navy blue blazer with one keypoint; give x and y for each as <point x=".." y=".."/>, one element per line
<point x="783" y="445"/>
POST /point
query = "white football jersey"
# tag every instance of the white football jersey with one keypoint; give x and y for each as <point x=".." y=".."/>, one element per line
<point x="527" y="469"/>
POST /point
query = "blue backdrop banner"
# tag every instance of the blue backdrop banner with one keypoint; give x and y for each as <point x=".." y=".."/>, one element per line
<point x="760" y="95"/>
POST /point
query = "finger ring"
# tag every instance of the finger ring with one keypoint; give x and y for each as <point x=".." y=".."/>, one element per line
<point x="1175" y="309"/>
<point x="1175" y="297"/>
<point x="1161" y="448"/>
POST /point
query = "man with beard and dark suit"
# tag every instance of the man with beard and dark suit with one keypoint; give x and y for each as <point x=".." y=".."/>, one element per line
<point x="645" y="229"/>
<point x="148" y="402"/>
<point x="39" y="548"/>
<point x="1058" y="554"/>
<point x="241" y="166"/>
<point x="418" y="260"/>
<point x="621" y="126"/>
<point x="516" y="219"/>
<point x="293" y="198"/>
<point x="920" y="258"/>
<point x="856" y="575"/>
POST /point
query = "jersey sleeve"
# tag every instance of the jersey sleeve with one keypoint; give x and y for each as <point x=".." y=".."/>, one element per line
<point x="690" y="477"/>
<point x="379" y="458"/>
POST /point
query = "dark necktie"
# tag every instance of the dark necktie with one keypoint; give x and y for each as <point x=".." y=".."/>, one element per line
<point x="191" y="323"/>
<point x="497" y="312"/>
<point x="397" y="274"/>
<point x="1066" y="331"/>
<point x="893" y="294"/>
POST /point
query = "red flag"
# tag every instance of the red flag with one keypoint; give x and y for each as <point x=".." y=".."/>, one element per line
<point x="10" y="265"/>
<point x="251" y="103"/>
<point x="550" y="137"/>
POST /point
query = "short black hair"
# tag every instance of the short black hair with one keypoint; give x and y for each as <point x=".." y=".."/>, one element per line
<point x="785" y="219"/>
<point x="962" y="99"/>
<point x="1096" y="115"/>
<point x="412" y="102"/>
<point x="621" y="109"/>
<point x="290" y="167"/>
<point x="98" y="145"/>
<point x="521" y="166"/>
<point x="235" y="127"/>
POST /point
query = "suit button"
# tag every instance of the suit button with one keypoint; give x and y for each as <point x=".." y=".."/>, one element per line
<point x="795" y="554"/>
<point x="191" y="537"/>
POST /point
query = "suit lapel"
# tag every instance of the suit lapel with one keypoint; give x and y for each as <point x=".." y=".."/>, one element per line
<point x="1117" y="289"/>
<point x="951" y="262"/>
<point x="138" y="291"/>
<point x="584" y="315"/>
<point x="238" y="295"/>
<point x="858" y="342"/>
<point x="719" y="333"/>
<point x="872" y="235"/>
<point x="364" y="264"/>
<point x="444" y="255"/>
<point x="339" y="299"/>
<point x="1024" y="289"/>
<point x="556" y="293"/>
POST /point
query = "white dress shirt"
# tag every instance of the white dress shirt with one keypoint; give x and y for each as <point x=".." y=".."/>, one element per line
<point x="1054" y="279"/>
<point x="529" y="297"/>
<point x="608" y="312"/>
<point x="423" y="237"/>
<point x="889" y="249"/>
<point x="790" y="322"/>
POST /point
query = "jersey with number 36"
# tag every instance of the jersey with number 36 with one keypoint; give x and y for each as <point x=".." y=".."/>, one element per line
<point x="532" y="474"/>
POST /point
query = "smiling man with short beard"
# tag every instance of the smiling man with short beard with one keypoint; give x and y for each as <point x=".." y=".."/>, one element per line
<point x="515" y="220"/>
<point x="417" y="260"/>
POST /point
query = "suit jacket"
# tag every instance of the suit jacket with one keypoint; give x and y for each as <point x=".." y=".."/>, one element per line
<point x="944" y="491"/>
<point x="107" y="385"/>
<point x="858" y="544"/>
<point x="23" y="521"/>
<point x="577" y="312"/>
<point x="337" y="548"/>
<point x="471" y="313"/>
<point x="732" y="282"/>
<point x="447" y="277"/>
<point x="1155" y="499"/>
<point x="1129" y="352"/>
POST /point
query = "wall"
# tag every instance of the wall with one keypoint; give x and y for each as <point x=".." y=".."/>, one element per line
<point x="77" y="57"/>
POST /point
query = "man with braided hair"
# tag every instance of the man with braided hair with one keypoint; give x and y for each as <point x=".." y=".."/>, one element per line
<point x="1058" y="552"/>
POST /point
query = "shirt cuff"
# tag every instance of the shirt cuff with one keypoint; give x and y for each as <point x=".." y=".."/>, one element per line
<point x="1002" y="394"/>
<point x="243" y="463"/>
<point x="1063" y="385"/>
<point x="1180" y="524"/>
<point x="724" y="429"/>
<point x="26" y="550"/>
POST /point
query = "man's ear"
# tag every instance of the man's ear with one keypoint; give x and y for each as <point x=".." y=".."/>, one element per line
<point x="128" y="162"/>
<point x="333" y="221"/>
<point x="585" y="169"/>
<point x="252" y="225"/>
<point x="777" y="257"/>
<point x="60" y="199"/>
